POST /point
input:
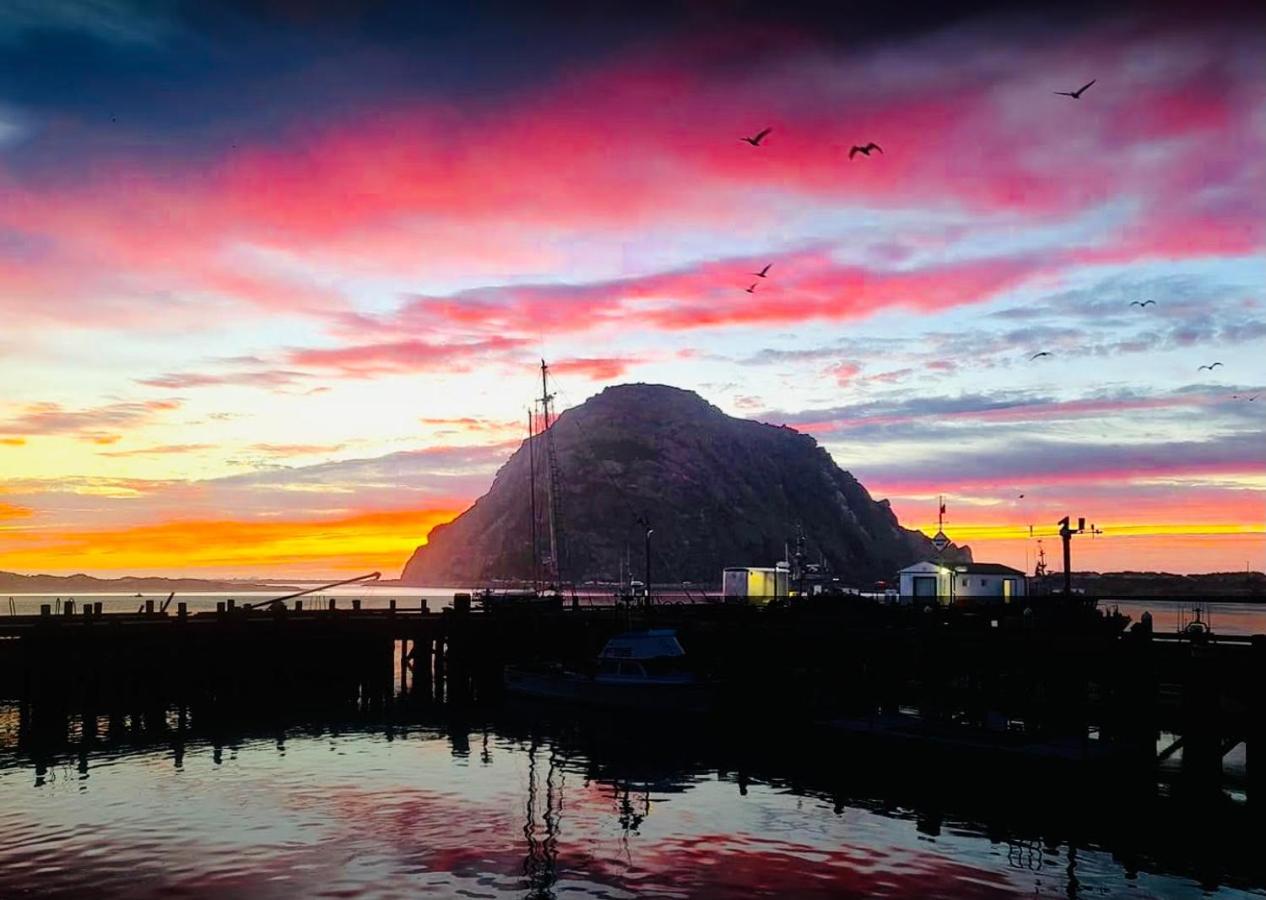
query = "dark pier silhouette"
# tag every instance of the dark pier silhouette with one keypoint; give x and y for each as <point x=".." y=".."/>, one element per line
<point x="1059" y="685"/>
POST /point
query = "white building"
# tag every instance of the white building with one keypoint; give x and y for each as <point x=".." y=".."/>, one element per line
<point x="950" y="583"/>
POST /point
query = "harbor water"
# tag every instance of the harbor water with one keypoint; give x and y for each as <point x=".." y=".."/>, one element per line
<point x="529" y="804"/>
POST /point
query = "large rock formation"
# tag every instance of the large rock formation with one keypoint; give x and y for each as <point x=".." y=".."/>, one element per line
<point x="718" y="491"/>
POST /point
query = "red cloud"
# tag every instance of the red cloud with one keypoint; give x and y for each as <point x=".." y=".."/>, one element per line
<point x="813" y="286"/>
<point x="595" y="369"/>
<point x="1167" y="136"/>
<point x="367" y="360"/>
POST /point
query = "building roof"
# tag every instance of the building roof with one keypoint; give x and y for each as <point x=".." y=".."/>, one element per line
<point x="976" y="568"/>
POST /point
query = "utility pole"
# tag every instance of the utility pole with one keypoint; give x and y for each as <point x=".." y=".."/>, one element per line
<point x="645" y="523"/>
<point x="649" y="532"/>
<point x="1066" y="532"/>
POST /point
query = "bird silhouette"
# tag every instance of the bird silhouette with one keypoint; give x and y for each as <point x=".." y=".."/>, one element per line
<point x="1036" y="355"/>
<point x="1021" y="497"/>
<point x="1076" y="95"/>
<point x="763" y="273"/>
<point x="760" y="136"/>
<point x="864" y="151"/>
<point x="1143" y="303"/>
<point x="752" y="289"/>
<point x="1210" y="367"/>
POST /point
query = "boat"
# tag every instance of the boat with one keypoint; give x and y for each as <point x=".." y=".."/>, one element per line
<point x="642" y="670"/>
<point x="547" y="585"/>
<point x="526" y="598"/>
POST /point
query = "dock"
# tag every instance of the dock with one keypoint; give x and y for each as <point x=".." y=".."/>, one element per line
<point x="1066" y="678"/>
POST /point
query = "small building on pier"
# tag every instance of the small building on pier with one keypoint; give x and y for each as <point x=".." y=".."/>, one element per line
<point x="952" y="583"/>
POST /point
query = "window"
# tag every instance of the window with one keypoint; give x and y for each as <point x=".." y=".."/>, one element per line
<point x="964" y="582"/>
<point x="982" y="582"/>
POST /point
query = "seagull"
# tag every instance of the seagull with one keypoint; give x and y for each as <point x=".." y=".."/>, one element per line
<point x="1021" y="497"/>
<point x="755" y="141"/>
<point x="763" y="273"/>
<point x="1036" y="355"/>
<point x="1142" y="304"/>
<point x="752" y="289"/>
<point x="864" y="151"/>
<point x="1076" y="95"/>
<point x="1210" y="367"/>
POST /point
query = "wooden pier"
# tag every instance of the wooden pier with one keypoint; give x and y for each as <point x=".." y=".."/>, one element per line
<point x="1071" y="677"/>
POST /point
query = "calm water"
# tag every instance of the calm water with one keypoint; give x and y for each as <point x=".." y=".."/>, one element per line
<point x="520" y="806"/>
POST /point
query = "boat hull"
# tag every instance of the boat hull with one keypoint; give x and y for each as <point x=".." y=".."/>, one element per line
<point x="581" y="690"/>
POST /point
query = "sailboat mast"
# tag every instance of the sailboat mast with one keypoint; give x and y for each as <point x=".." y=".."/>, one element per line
<point x="551" y="467"/>
<point x="536" y="565"/>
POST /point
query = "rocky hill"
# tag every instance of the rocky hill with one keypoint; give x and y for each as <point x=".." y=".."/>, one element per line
<point x="718" y="491"/>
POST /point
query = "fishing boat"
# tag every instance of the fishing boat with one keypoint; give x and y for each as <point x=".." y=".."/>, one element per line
<point x="525" y="598"/>
<point x="643" y="670"/>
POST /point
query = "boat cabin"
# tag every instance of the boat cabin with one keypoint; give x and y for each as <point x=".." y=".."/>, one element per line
<point x="655" y="653"/>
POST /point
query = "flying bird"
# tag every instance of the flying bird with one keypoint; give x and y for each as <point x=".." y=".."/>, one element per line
<point x="1076" y="95"/>
<point x="864" y="151"/>
<point x="755" y="141"/>
<point x="1210" y="367"/>
<point x="1036" y="355"/>
<point x="752" y="289"/>
<point x="763" y="273"/>
<point x="1143" y="303"/>
<point x="1021" y="497"/>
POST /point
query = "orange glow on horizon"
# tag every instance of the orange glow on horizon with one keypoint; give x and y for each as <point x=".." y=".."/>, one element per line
<point x="227" y="548"/>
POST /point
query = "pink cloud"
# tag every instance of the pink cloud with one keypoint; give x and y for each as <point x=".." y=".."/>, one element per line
<point x="368" y="360"/>
<point x="844" y="373"/>
<point x="595" y="368"/>
<point x="650" y="141"/>
<point x="88" y="423"/>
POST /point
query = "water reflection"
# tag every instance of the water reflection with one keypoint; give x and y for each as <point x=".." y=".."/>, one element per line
<point x="530" y="803"/>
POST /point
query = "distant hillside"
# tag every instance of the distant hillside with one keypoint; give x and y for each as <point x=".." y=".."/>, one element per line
<point x="1160" y="584"/>
<point x="13" y="583"/>
<point x="718" y="491"/>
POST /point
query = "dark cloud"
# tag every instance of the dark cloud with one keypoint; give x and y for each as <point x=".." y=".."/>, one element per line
<point x="1040" y="460"/>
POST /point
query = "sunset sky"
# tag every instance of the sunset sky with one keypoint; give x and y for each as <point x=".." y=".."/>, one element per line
<point x="274" y="279"/>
